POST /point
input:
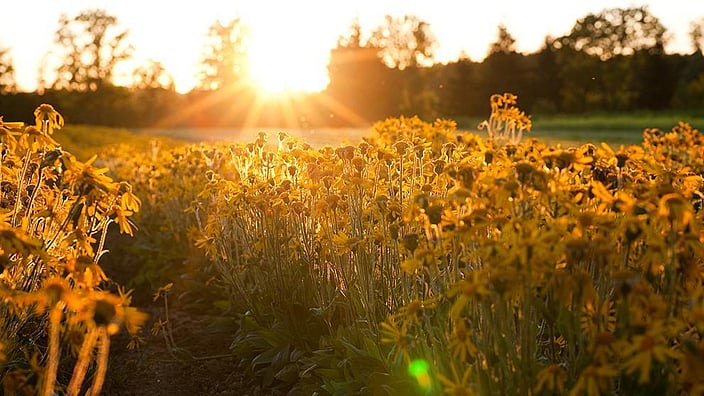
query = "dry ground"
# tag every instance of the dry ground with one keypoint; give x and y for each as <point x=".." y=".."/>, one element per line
<point x="154" y="370"/>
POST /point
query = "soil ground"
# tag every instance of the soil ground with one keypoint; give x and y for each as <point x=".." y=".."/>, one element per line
<point x="202" y="365"/>
<point x="154" y="370"/>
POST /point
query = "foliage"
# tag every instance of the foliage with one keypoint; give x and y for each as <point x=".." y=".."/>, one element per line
<point x="55" y="214"/>
<point x="88" y="47"/>
<point x="404" y="42"/>
<point x="152" y="75"/>
<point x="696" y="34"/>
<point x="7" y="72"/>
<point x="617" y="31"/>
<point x="347" y="62"/>
<point x="505" y="43"/>
<point x="168" y="177"/>
<point x="84" y="141"/>
<point x="224" y="61"/>
<point x="428" y="259"/>
<point x="577" y="256"/>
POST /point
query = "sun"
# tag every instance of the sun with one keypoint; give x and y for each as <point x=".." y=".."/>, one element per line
<point x="286" y="63"/>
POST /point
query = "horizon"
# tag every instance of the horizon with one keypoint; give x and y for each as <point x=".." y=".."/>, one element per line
<point x="293" y="34"/>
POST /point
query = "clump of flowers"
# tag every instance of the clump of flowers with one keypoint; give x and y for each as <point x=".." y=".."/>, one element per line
<point x="55" y="212"/>
<point x="507" y="122"/>
<point x="494" y="266"/>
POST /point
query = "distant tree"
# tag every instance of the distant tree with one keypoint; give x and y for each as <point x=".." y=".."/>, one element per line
<point x="408" y="44"/>
<point x="404" y="42"/>
<point x="88" y="47"/>
<point x="354" y="38"/>
<point x="224" y="61"/>
<point x="696" y="34"/>
<point x="7" y="72"/>
<point x="504" y="69"/>
<point x="461" y="86"/>
<point x="617" y="31"/>
<point x="357" y="75"/>
<point x="579" y="80"/>
<point x="152" y="74"/>
<point x="691" y="95"/>
<point x="654" y="78"/>
<point x="504" y="44"/>
<point x="689" y="88"/>
<point x="546" y="89"/>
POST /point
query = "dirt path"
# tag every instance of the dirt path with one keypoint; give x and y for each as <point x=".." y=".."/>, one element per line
<point x="154" y="370"/>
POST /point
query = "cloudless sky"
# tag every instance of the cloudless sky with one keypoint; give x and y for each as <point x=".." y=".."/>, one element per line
<point x="301" y="33"/>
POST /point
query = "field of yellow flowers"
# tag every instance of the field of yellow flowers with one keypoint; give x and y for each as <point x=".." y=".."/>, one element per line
<point x="422" y="260"/>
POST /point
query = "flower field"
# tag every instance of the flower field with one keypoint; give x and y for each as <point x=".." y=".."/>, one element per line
<point x="422" y="260"/>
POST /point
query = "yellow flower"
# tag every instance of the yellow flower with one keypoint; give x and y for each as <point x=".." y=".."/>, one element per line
<point x="55" y="292"/>
<point x="644" y="350"/>
<point x="48" y="119"/>
<point x="128" y="200"/>
<point x="692" y="364"/>
<point x="8" y="126"/>
<point x="121" y="217"/>
<point x="593" y="380"/>
<point x="598" y="318"/>
<point x="392" y="333"/>
<point x="676" y="209"/>
<point x="461" y="343"/>
<point x="412" y="309"/>
<point x="33" y="136"/>
<point x="466" y="290"/>
<point x="551" y="379"/>
<point x="421" y="258"/>
<point x="457" y="386"/>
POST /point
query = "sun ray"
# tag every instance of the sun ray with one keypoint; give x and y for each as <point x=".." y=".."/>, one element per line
<point x="349" y="116"/>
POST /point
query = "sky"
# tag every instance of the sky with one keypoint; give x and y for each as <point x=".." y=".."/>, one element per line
<point x="301" y="33"/>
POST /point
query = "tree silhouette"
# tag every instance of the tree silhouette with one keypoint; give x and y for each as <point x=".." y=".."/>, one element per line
<point x="616" y="31"/>
<point x="224" y="61"/>
<point x="504" y="44"/>
<point x="654" y="80"/>
<point x="88" y="47"/>
<point x="547" y="86"/>
<point x="504" y="69"/>
<point x="150" y="75"/>
<point x="461" y="82"/>
<point x="357" y="75"/>
<point x="354" y="39"/>
<point x="404" y="42"/>
<point x="7" y="72"/>
<point x="696" y="34"/>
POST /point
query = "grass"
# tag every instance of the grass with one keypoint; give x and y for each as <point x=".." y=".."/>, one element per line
<point x="619" y="121"/>
<point x="84" y="141"/>
<point x="564" y="129"/>
<point x="614" y="128"/>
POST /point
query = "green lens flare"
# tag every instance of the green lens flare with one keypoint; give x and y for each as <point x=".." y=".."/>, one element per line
<point x="418" y="368"/>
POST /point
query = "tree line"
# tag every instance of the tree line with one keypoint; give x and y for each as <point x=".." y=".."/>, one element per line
<point x="613" y="60"/>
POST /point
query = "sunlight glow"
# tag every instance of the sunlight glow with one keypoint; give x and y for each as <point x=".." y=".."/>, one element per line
<point x="286" y="64"/>
<point x="301" y="30"/>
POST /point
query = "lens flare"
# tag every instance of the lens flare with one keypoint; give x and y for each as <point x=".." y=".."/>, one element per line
<point x="418" y="369"/>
